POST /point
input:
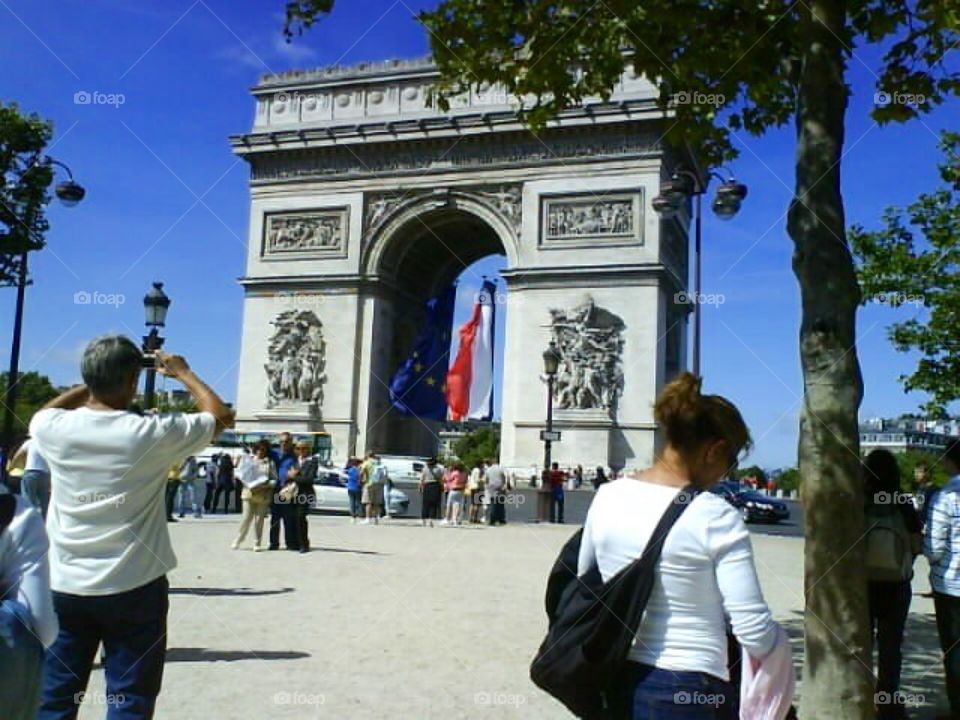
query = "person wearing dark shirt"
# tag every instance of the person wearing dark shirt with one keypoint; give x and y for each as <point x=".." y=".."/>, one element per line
<point x="599" y="478"/>
<point x="304" y="474"/>
<point x="557" y="478"/>
<point x="281" y="512"/>
<point x="889" y="512"/>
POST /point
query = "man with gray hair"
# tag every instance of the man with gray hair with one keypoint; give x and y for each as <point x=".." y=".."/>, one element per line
<point x="109" y="546"/>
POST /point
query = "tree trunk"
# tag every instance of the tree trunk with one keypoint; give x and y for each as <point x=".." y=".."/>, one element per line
<point x="837" y="678"/>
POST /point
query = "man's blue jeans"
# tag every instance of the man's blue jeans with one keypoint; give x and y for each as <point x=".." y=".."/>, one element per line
<point x="133" y="628"/>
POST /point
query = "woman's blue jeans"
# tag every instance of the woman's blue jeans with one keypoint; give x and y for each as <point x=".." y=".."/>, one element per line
<point x="644" y="692"/>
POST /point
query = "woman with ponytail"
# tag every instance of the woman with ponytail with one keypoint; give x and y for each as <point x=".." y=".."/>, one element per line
<point x="705" y="579"/>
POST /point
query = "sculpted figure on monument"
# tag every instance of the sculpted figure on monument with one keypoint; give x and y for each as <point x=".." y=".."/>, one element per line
<point x="296" y="358"/>
<point x="590" y="342"/>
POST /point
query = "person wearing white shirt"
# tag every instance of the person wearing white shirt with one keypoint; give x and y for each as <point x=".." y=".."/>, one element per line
<point x="941" y="545"/>
<point x="110" y="548"/>
<point x="28" y="624"/>
<point x="677" y="665"/>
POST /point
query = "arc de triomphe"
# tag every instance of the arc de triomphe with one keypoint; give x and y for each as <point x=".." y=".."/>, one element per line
<point x="366" y="202"/>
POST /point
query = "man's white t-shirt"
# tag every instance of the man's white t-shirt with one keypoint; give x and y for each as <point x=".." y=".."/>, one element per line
<point x="35" y="460"/>
<point x="107" y="521"/>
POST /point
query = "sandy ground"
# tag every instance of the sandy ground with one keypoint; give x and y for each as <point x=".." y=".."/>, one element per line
<point x="400" y="621"/>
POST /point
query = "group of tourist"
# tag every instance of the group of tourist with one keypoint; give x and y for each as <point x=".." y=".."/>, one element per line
<point x="481" y="495"/>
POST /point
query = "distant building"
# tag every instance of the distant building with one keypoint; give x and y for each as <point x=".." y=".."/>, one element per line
<point x="908" y="433"/>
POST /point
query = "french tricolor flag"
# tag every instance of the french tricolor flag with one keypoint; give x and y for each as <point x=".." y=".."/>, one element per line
<point x="470" y="378"/>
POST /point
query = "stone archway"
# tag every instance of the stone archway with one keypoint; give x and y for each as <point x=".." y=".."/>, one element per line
<point x="365" y="201"/>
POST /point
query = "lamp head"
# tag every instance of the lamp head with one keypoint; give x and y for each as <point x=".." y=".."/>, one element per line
<point x="155" y="306"/>
<point x="730" y="195"/>
<point x="551" y="359"/>
<point x="69" y="192"/>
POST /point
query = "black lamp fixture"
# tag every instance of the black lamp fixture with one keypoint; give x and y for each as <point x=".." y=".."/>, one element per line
<point x="551" y="360"/>
<point x="675" y="193"/>
<point x="155" y="306"/>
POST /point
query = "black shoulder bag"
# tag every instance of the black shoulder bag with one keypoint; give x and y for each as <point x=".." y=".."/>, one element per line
<point x="592" y="624"/>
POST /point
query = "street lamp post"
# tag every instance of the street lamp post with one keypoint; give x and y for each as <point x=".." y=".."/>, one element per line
<point x="69" y="193"/>
<point x="673" y="195"/>
<point x="155" y="306"/>
<point x="551" y="363"/>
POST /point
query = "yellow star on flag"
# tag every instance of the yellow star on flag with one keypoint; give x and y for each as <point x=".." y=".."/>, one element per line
<point x="417" y="368"/>
<point x="431" y="382"/>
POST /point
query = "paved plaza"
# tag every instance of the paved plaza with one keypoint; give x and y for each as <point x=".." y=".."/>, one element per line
<point x="402" y="621"/>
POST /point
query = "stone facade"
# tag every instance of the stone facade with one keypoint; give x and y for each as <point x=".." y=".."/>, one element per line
<point x="366" y="201"/>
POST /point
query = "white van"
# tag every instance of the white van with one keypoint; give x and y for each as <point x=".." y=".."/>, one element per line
<point x="403" y="469"/>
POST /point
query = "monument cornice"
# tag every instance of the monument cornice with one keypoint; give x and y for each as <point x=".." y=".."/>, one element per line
<point x="300" y="137"/>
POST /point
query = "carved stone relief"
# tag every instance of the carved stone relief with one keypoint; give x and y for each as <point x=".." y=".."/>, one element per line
<point x="296" y="359"/>
<point x="590" y="342"/>
<point x="589" y="219"/>
<point x="321" y="233"/>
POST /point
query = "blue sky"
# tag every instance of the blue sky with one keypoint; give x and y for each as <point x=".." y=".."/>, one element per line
<point x="167" y="200"/>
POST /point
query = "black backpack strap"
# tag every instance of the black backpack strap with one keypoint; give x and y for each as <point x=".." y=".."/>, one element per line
<point x="677" y="507"/>
<point x="8" y="506"/>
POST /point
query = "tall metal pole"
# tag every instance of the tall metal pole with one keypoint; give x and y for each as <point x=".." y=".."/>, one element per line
<point x="10" y="399"/>
<point x="151" y="343"/>
<point x="696" y="289"/>
<point x="548" y="443"/>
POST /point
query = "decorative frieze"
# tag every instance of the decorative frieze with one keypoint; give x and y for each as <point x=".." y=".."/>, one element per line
<point x="455" y="154"/>
<point x="590" y="219"/>
<point x="310" y="234"/>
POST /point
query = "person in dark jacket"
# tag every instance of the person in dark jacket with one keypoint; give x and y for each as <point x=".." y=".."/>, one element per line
<point x="224" y="482"/>
<point x="281" y="512"/>
<point x="889" y="600"/>
<point x="304" y="474"/>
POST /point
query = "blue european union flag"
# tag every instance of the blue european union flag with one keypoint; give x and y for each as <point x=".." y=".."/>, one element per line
<point x="419" y="386"/>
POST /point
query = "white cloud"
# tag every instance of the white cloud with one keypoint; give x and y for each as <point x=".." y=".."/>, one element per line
<point x="243" y="57"/>
<point x="295" y="52"/>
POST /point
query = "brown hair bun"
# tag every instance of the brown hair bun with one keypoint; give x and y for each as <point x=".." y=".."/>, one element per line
<point x="691" y="418"/>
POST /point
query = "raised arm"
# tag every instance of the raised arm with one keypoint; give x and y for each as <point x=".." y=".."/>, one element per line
<point x="207" y="400"/>
<point x="70" y="399"/>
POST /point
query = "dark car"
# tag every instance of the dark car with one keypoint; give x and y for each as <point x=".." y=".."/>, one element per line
<point x="752" y="505"/>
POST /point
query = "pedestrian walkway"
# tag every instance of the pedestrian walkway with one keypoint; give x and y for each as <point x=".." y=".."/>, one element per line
<point x="400" y="621"/>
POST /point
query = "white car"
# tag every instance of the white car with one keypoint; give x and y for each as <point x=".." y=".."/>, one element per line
<point x="331" y="490"/>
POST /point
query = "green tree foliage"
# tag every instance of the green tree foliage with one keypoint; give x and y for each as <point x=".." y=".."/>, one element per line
<point x="477" y="445"/>
<point x="24" y="182"/>
<point x="908" y="462"/>
<point x="914" y="262"/>
<point x="33" y="392"/>
<point x="302" y="14"/>
<point x="789" y="480"/>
